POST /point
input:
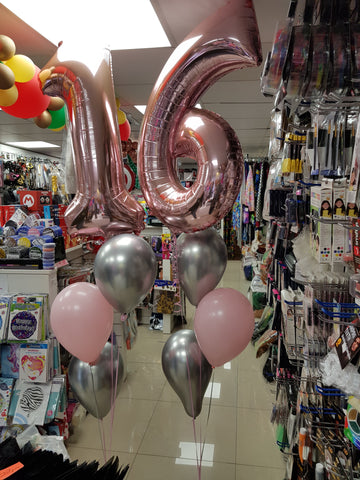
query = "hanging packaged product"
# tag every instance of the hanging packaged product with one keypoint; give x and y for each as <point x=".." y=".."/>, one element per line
<point x="321" y="231"/>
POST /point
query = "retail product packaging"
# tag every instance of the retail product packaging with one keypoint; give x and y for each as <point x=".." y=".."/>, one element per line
<point x="6" y="386"/>
<point x="321" y="231"/>
<point x="57" y="388"/>
<point x="339" y="233"/>
<point x="35" y="200"/>
<point x="35" y="362"/>
<point x="164" y="296"/>
<point x="28" y="318"/>
<point x="9" y="358"/>
<point x="32" y="403"/>
<point x="5" y="301"/>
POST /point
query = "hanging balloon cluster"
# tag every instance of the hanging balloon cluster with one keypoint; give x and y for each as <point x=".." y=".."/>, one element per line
<point x="125" y="266"/>
<point x="20" y="89"/>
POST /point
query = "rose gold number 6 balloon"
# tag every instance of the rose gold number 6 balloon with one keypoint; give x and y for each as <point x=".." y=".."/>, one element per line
<point x="172" y="128"/>
<point x="84" y="81"/>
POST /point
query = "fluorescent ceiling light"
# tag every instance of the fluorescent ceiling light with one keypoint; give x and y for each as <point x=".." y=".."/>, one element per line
<point x="109" y="22"/>
<point x="32" y="144"/>
<point x="141" y="108"/>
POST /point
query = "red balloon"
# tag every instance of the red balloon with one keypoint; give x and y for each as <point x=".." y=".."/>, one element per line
<point x="125" y="130"/>
<point x="31" y="101"/>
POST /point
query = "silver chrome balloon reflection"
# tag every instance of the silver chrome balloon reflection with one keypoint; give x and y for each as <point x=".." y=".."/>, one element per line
<point x="173" y="128"/>
<point x="125" y="271"/>
<point x="201" y="262"/>
<point x="85" y="83"/>
<point x="93" y="384"/>
<point x="186" y="369"/>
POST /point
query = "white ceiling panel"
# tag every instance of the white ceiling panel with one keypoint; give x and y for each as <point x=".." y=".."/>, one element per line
<point x="236" y="97"/>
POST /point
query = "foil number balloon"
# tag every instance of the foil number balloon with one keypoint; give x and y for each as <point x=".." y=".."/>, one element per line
<point x="172" y="128"/>
<point x="102" y="201"/>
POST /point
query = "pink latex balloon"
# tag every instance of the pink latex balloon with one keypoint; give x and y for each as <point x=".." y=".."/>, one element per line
<point x="172" y="128"/>
<point x="82" y="320"/>
<point x="223" y="324"/>
<point x="85" y="83"/>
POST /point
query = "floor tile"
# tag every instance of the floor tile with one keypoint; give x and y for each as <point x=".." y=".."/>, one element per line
<point x="148" y="346"/>
<point x="253" y="391"/>
<point x="246" y="472"/>
<point x="131" y="419"/>
<point x="255" y="443"/>
<point x="156" y="467"/>
<point x="90" y="454"/>
<point x="144" y="381"/>
<point x="170" y="426"/>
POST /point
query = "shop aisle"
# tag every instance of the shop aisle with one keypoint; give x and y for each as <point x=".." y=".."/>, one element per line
<point x="152" y="432"/>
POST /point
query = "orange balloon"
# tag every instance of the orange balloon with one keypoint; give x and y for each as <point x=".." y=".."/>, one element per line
<point x="9" y="96"/>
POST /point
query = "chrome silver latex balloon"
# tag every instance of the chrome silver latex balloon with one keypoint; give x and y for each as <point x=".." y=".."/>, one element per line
<point x="186" y="369"/>
<point x="201" y="262"/>
<point x="93" y="384"/>
<point x="85" y="83"/>
<point x="173" y="128"/>
<point x="125" y="271"/>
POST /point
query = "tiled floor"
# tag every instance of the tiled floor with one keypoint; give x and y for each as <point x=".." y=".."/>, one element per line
<point x="152" y="432"/>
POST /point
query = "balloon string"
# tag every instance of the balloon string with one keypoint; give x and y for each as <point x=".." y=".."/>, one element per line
<point x="112" y="387"/>
<point x="178" y="308"/>
<point x="114" y="392"/>
<point x="208" y="415"/>
<point x="100" y="422"/>
<point x="198" y="464"/>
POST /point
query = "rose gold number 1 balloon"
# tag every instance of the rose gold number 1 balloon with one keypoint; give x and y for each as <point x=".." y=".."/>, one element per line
<point x="172" y="128"/>
<point x="84" y="80"/>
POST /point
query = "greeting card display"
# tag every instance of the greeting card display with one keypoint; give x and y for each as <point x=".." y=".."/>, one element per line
<point x="34" y="362"/>
<point x="32" y="403"/>
<point x="25" y="322"/>
<point x="6" y="385"/>
<point x="9" y="359"/>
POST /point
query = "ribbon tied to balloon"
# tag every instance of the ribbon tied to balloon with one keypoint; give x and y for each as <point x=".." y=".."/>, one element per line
<point x="102" y="202"/>
<point x="172" y="127"/>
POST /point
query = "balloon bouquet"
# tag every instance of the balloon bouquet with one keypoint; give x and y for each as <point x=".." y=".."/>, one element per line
<point x="173" y="128"/>
<point x="125" y="266"/>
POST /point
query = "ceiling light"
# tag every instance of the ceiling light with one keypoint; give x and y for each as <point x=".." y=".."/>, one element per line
<point x="141" y="108"/>
<point x="32" y="144"/>
<point x="108" y="22"/>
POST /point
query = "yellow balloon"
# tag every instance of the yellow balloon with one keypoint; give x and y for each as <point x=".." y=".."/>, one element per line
<point x="117" y="103"/>
<point x="121" y="116"/>
<point x="22" y="66"/>
<point x="8" y="97"/>
<point x="57" y="129"/>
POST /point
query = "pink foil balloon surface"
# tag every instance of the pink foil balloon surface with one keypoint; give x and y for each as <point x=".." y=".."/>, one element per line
<point x="173" y="128"/>
<point x="85" y="82"/>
